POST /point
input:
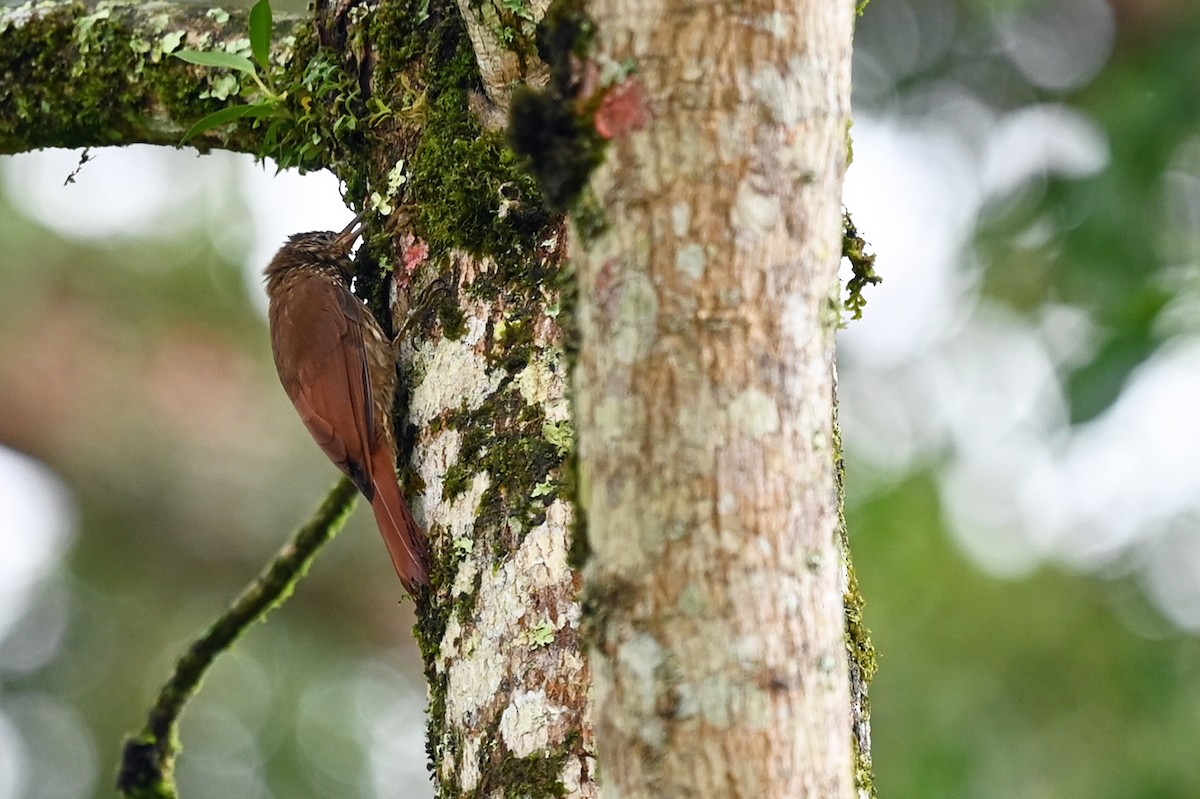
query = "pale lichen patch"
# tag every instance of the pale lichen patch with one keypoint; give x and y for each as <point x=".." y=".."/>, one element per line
<point x="222" y="87"/>
<point x="636" y="320"/>
<point x="693" y="602"/>
<point x="681" y="218"/>
<point x="474" y="678"/>
<point x="753" y="212"/>
<point x="778" y="94"/>
<point x="727" y="503"/>
<point x="470" y="775"/>
<point x="238" y="46"/>
<point x="526" y="723"/>
<point x="433" y="457"/>
<point x="758" y="707"/>
<point x="776" y="24"/>
<point x="397" y="177"/>
<point x="458" y="517"/>
<point x="571" y="776"/>
<point x="561" y="434"/>
<point x="617" y="497"/>
<point x="456" y="374"/>
<point x="755" y="413"/>
<point x="542" y="382"/>
<point x="639" y="660"/>
<point x="541" y="562"/>
<point x="691" y="260"/>
<point x="713" y="700"/>
<point x="612" y="415"/>
<point x="167" y="44"/>
<point x="797" y="321"/>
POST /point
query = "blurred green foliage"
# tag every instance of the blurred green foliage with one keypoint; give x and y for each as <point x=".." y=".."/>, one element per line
<point x="1029" y="688"/>
<point x="1105" y="251"/>
<point x="1057" y="684"/>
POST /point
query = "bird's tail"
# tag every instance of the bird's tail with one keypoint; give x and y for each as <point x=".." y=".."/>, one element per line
<point x="404" y="539"/>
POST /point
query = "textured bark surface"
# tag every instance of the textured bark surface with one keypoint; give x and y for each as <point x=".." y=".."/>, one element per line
<point x="498" y="34"/>
<point x="510" y="705"/>
<point x="704" y="402"/>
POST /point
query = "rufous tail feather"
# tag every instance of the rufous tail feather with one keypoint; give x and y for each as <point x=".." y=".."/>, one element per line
<point x="400" y="532"/>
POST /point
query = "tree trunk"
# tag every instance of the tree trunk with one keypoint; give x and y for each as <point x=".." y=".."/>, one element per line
<point x="704" y="395"/>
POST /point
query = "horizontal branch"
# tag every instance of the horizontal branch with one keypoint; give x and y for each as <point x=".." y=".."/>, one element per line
<point x="78" y="75"/>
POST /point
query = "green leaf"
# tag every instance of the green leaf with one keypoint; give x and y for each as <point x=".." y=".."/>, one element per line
<point x="208" y="58"/>
<point x="226" y="115"/>
<point x="261" y="27"/>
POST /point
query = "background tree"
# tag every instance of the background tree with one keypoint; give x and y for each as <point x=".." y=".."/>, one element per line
<point x="1013" y="401"/>
<point x="390" y="98"/>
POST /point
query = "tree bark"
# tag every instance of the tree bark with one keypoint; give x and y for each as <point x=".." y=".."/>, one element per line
<point x="509" y="684"/>
<point x="704" y="392"/>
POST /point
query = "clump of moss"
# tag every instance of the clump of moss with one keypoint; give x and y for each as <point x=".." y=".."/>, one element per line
<point x="862" y="264"/>
<point x="559" y="145"/>
<point x="86" y="80"/>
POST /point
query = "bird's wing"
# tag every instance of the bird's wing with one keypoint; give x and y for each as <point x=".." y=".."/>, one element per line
<point x="326" y="374"/>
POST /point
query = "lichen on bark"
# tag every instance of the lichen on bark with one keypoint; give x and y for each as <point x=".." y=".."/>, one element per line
<point x="489" y="426"/>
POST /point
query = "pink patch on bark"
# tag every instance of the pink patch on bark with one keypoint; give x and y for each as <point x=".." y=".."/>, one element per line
<point x="622" y="110"/>
<point x="415" y="252"/>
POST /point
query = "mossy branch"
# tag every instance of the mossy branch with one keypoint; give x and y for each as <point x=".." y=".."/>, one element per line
<point x="860" y="650"/>
<point x="90" y="74"/>
<point x="148" y="760"/>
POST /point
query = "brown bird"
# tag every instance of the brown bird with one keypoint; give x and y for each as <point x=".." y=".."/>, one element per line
<point x="339" y="369"/>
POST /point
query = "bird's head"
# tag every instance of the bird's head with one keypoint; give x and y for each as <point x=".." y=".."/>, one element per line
<point x="319" y="249"/>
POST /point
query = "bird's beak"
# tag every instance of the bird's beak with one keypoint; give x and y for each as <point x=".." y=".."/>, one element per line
<point x="345" y="240"/>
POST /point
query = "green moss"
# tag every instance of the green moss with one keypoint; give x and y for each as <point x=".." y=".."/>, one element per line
<point x="147" y="768"/>
<point x="564" y="39"/>
<point x="862" y="264"/>
<point x="87" y="76"/>
<point x="560" y="148"/>
<point x="504" y="437"/>
<point x="581" y="547"/>
<point x="463" y="191"/>
<point x="462" y="178"/>
<point x="537" y="775"/>
<point x="452" y="320"/>
<point x="567" y="289"/>
<point x="77" y="79"/>
<point x="556" y="139"/>
<point x="863" y="659"/>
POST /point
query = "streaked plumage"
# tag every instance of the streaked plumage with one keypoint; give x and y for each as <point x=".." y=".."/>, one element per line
<point x="339" y="370"/>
